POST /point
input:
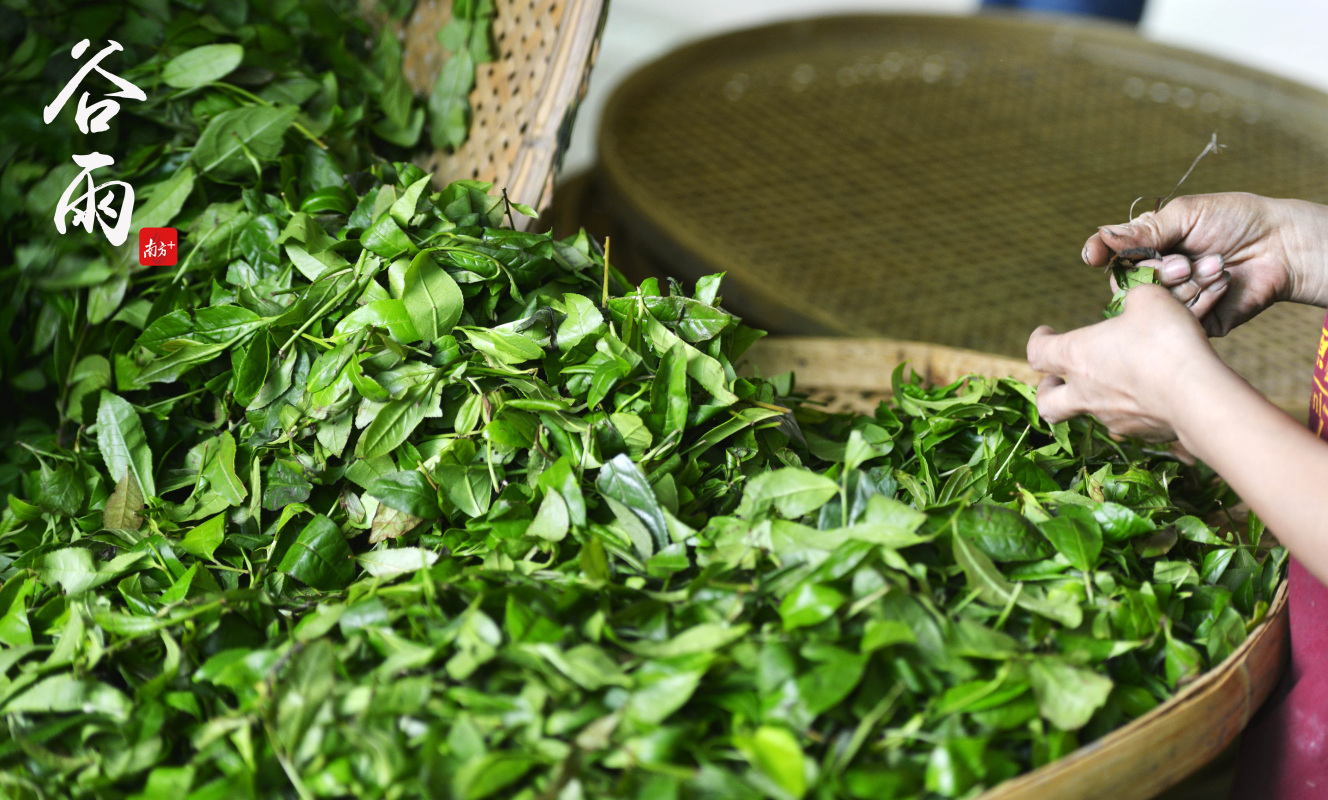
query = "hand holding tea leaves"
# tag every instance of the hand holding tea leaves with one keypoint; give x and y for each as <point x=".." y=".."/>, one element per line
<point x="1149" y="374"/>
<point x="1129" y="371"/>
<point x="1228" y="256"/>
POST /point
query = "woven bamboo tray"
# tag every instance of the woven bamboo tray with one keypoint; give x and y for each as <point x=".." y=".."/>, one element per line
<point x="1154" y="752"/>
<point x="934" y="178"/>
<point x="524" y="102"/>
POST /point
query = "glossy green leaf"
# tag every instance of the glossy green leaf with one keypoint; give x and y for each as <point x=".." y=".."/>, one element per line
<point x="621" y="480"/>
<point x="1001" y="534"/>
<point x="220" y="152"/>
<point x="66" y="693"/>
<point x="1077" y="537"/>
<point x="809" y="604"/>
<point x="219" y="470"/>
<point x="408" y="491"/>
<point x="385" y="314"/>
<point x="166" y="199"/>
<point x="201" y="65"/>
<point x="396" y="421"/>
<point x="123" y="507"/>
<point x="431" y="297"/>
<point x="123" y="446"/>
<point x="995" y="589"/>
<point x="390" y="563"/>
<point x="203" y="539"/>
<point x="504" y="347"/>
<point x="791" y="491"/>
<point x="319" y="556"/>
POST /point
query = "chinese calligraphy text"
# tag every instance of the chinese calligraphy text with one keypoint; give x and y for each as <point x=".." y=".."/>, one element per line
<point x="97" y="203"/>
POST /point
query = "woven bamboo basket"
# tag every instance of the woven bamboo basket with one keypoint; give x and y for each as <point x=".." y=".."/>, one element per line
<point x="934" y="178"/>
<point x="524" y="102"/>
<point x="1140" y="760"/>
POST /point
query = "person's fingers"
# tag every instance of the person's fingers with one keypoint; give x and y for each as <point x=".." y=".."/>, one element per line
<point x="1045" y="351"/>
<point x="1210" y="296"/>
<point x="1147" y="295"/>
<point x="1219" y="321"/>
<point x="1056" y="400"/>
<point x="1096" y="253"/>
<point x="1172" y="270"/>
<point x="1162" y="230"/>
<point x="1187" y="292"/>
<point x="1209" y="270"/>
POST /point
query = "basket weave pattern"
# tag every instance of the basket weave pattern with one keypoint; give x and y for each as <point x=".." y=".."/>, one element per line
<point x="523" y="102"/>
<point x="934" y="178"/>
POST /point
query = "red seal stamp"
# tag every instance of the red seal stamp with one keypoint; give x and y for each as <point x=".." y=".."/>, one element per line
<point x="157" y="247"/>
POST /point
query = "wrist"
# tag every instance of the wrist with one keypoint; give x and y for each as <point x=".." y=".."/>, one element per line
<point x="1201" y="409"/>
<point x="1303" y="236"/>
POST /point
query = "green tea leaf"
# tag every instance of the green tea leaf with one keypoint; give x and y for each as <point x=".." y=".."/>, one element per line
<point x="319" y="556"/>
<point x="996" y="590"/>
<point x="391" y="563"/>
<point x="201" y="65"/>
<point x="621" y="480"/>
<point x="1077" y="537"/>
<point x="809" y="604"/>
<point x="203" y="539"/>
<point x="122" y="507"/>
<point x="775" y="753"/>
<point x="123" y="446"/>
<point x="396" y="421"/>
<point x="220" y="152"/>
<point x="1001" y="534"/>
<point x="68" y="694"/>
<point x="285" y="484"/>
<point x="449" y="106"/>
<point x="431" y="297"/>
<point x="504" y="347"/>
<point x="219" y="470"/>
<point x="793" y="492"/>
<point x="1067" y="695"/>
<point x="407" y="491"/>
<point x="166" y="199"/>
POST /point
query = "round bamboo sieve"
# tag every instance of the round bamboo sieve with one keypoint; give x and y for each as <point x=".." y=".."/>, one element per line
<point x="934" y="178"/>
<point x="524" y="102"/>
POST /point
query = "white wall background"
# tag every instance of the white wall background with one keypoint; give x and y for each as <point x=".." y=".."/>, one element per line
<point x="1285" y="37"/>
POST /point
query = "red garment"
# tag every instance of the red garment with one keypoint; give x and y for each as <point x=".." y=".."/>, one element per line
<point x="1284" y="752"/>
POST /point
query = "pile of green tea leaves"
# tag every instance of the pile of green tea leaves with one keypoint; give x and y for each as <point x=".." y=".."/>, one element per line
<point x="373" y="496"/>
<point x="409" y="510"/>
<point x="226" y="80"/>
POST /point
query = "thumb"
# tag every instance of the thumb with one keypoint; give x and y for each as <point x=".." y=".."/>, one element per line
<point x="1162" y="230"/>
<point x="1045" y="351"/>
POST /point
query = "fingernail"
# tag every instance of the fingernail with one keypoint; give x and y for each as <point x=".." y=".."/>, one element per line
<point x="1221" y="284"/>
<point x="1175" y="271"/>
<point x="1208" y="266"/>
<point x="1083" y="254"/>
<point x="1114" y="230"/>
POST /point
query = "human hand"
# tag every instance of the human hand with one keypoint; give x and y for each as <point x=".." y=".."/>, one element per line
<point x="1228" y="256"/>
<point x="1133" y="372"/>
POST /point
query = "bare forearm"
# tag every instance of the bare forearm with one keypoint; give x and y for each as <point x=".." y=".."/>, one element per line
<point x="1276" y="465"/>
